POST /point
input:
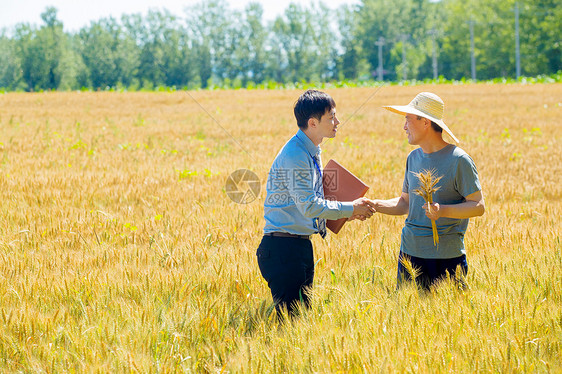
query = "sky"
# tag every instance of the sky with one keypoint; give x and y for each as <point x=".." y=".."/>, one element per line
<point x="75" y="14"/>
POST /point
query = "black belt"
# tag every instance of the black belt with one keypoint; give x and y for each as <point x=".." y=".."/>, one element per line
<point x="287" y="235"/>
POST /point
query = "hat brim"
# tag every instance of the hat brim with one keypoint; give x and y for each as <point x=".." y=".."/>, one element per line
<point x="406" y="109"/>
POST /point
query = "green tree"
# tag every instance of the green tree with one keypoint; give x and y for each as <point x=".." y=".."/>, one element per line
<point x="99" y="49"/>
<point x="204" y="65"/>
<point x="47" y="59"/>
<point x="494" y="38"/>
<point x="216" y="34"/>
<point x="349" y="62"/>
<point x="324" y="42"/>
<point x="10" y="64"/>
<point x="151" y="70"/>
<point x="541" y="45"/>
<point x="302" y="46"/>
<point x="391" y="20"/>
<point x="251" y="51"/>
<point x="178" y="57"/>
<point x="214" y="44"/>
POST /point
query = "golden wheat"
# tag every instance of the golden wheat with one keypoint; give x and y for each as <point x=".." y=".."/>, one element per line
<point x="428" y="180"/>
<point x="121" y="252"/>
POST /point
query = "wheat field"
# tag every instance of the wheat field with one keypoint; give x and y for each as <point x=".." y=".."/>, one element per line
<point x="121" y="252"/>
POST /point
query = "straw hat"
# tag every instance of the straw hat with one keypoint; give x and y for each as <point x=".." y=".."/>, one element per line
<point x="427" y="105"/>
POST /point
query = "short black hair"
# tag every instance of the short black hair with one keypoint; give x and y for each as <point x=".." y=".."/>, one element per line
<point x="434" y="126"/>
<point x="312" y="104"/>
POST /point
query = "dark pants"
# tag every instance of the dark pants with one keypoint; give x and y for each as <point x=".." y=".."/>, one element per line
<point x="287" y="264"/>
<point x="431" y="270"/>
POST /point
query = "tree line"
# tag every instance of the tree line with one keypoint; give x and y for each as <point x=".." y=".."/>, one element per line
<point x="212" y="44"/>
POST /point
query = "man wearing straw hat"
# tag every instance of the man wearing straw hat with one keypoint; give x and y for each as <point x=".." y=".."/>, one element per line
<point x="456" y="197"/>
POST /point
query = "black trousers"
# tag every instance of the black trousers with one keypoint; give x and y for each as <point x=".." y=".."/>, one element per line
<point x="431" y="270"/>
<point x="287" y="264"/>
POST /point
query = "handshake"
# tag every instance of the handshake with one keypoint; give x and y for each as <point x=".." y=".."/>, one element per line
<point x="363" y="208"/>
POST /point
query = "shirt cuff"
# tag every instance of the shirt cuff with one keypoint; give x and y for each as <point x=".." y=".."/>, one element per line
<point x="347" y="209"/>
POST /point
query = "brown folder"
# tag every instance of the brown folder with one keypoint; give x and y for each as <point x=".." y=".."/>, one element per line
<point x="341" y="185"/>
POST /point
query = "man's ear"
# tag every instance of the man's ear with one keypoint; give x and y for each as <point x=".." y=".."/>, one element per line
<point x="312" y="122"/>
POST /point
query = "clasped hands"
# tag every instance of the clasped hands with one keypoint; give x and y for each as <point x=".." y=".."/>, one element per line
<point x="363" y="208"/>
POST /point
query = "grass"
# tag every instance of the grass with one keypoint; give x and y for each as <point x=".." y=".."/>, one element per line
<point x="120" y="251"/>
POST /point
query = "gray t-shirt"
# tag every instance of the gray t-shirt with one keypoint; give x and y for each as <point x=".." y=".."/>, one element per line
<point x="460" y="179"/>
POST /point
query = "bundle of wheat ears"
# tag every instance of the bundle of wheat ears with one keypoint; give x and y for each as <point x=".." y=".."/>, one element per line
<point x="428" y="180"/>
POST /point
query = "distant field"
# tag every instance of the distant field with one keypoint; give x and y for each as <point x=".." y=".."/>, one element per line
<point x="121" y="252"/>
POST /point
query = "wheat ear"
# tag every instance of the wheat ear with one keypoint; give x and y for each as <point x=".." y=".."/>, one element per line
<point x="428" y="180"/>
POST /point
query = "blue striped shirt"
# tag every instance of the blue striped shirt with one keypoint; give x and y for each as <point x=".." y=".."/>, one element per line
<point x="295" y="198"/>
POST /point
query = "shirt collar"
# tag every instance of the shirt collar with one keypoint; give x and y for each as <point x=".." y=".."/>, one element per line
<point x="312" y="149"/>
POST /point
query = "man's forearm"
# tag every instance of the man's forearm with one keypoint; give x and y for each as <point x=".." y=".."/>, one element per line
<point x="395" y="207"/>
<point x="464" y="210"/>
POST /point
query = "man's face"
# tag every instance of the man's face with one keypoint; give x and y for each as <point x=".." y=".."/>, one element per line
<point x="415" y="128"/>
<point x="328" y="124"/>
